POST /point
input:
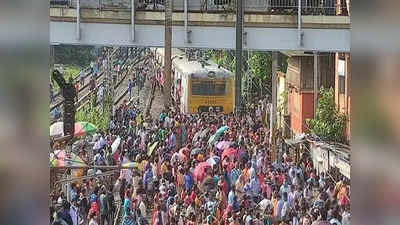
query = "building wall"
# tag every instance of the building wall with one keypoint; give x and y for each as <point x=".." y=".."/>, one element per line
<point x="294" y="100"/>
<point x="300" y="78"/>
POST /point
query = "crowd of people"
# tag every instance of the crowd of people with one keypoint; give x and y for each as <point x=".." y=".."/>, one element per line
<point x="235" y="184"/>
<point x="190" y="169"/>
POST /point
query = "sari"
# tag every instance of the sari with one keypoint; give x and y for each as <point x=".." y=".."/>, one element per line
<point x="127" y="216"/>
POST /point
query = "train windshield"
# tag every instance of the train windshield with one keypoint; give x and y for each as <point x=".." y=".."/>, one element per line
<point x="208" y="87"/>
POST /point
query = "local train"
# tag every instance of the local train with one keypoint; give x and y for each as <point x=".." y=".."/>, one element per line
<point x="199" y="86"/>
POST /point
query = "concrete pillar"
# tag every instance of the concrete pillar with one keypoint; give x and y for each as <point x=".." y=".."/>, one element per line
<point x="168" y="46"/>
<point x="239" y="47"/>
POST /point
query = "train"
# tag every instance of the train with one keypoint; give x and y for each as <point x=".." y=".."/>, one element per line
<point x="197" y="85"/>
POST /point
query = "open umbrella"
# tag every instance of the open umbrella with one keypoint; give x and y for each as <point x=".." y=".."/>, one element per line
<point x="199" y="171"/>
<point x="222" y="145"/>
<point x="196" y="151"/>
<point x="115" y="145"/>
<point x="230" y="153"/>
<point x="214" y="160"/>
<point x="151" y="148"/>
<point x="221" y="130"/>
<point x="81" y="129"/>
<point x="183" y="154"/>
<point x="131" y="165"/>
<point x="204" y="132"/>
<point x="196" y="135"/>
<point x="213" y="139"/>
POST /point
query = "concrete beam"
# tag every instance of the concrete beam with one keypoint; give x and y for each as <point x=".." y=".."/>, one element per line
<point x="200" y="19"/>
<point x="267" y="39"/>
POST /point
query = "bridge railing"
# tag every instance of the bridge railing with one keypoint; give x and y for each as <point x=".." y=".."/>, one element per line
<point x="277" y="7"/>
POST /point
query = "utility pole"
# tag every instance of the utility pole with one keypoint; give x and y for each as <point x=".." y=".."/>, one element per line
<point x="273" y="107"/>
<point x="167" y="55"/>
<point x="315" y="83"/>
<point x="239" y="47"/>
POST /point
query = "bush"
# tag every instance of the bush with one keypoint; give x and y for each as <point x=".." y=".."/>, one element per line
<point x="329" y="124"/>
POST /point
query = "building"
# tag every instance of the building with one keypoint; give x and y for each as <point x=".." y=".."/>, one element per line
<point x="300" y="84"/>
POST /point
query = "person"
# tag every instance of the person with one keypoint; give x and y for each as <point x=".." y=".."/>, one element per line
<point x="51" y="94"/>
<point x="188" y="180"/>
<point x="130" y="88"/>
<point x="65" y="215"/>
<point x="82" y="76"/>
<point x="104" y="207"/>
<point x="127" y="213"/>
<point x="72" y="192"/>
<point x="92" y="219"/>
<point x="73" y="212"/>
<point x="322" y="218"/>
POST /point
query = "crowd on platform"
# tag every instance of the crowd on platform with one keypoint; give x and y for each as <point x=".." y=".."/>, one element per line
<point x="190" y="169"/>
<point x="215" y="177"/>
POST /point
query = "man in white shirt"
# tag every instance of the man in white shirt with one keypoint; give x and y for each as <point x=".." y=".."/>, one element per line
<point x="142" y="208"/>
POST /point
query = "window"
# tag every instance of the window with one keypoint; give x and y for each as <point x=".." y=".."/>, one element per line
<point x="208" y="88"/>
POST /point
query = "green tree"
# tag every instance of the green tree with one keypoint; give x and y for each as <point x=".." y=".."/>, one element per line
<point x="73" y="55"/>
<point x="329" y="124"/>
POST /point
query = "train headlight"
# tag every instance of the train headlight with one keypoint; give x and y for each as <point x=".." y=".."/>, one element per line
<point x="210" y="109"/>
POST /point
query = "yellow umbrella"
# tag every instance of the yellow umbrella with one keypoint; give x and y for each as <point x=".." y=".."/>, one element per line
<point x="132" y="165"/>
<point x="151" y="148"/>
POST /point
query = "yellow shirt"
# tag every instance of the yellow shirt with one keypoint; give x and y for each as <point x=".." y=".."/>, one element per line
<point x="179" y="179"/>
<point x="200" y="157"/>
<point x="164" y="168"/>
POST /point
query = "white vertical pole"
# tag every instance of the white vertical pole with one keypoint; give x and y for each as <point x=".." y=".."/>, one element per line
<point x="78" y="20"/>
<point x="299" y="44"/>
<point x="185" y="2"/>
<point x="133" y="20"/>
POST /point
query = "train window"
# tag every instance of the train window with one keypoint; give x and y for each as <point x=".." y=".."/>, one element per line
<point x="209" y="88"/>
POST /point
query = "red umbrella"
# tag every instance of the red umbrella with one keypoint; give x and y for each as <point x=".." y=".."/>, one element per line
<point x="183" y="154"/>
<point x="199" y="171"/>
<point x="230" y="153"/>
<point x="228" y="157"/>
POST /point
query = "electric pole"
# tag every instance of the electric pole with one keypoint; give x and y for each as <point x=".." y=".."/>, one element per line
<point x="167" y="53"/>
<point x="239" y="47"/>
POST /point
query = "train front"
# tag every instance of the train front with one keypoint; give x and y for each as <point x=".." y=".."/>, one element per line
<point x="211" y="90"/>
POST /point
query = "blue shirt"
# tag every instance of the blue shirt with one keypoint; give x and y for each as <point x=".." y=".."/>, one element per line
<point x="255" y="186"/>
<point x="235" y="175"/>
<point x="231" y="197"/>
<point x="147" y="177"/>
<point x="188" y="181"/>
<point x="72" y="194"/>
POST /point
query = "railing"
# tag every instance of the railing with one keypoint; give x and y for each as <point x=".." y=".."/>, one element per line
<point x="309" y="7"/>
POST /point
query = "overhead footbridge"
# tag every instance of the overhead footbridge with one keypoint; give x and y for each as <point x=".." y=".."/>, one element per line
<point x="271" y="25"/>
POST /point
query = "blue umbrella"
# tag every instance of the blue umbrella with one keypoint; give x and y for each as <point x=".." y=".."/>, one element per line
<point x="221" y="130"/>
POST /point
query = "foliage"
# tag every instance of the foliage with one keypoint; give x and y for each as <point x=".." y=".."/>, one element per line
<point x="69" y="71"/>
<point x="329" y="124"/>
<point x="95" y="115"/>
<point x="73" y="55"/>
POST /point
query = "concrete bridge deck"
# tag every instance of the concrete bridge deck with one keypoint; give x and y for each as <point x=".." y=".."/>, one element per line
<point x="207" y="30"/>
